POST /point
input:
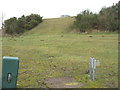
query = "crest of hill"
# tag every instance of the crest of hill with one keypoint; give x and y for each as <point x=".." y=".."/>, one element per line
<point x="53" y="26"/>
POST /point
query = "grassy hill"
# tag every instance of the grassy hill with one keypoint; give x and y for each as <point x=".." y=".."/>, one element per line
<point x="46" y="53"/>
<point x="53" y="26"/>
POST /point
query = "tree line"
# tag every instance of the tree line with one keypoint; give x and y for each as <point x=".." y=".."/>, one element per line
<point x="22" y="24"/>
<point x="106" y="19"/>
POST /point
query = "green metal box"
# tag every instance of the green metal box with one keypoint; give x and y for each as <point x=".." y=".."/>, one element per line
<point x="9" y="71"/>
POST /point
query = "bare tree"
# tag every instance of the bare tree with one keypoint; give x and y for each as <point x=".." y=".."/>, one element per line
<point x="2" y="17"/>
<point x="2" y="21"/>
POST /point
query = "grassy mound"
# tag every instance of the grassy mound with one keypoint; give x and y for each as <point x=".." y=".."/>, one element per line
<point x="53" y="26"/>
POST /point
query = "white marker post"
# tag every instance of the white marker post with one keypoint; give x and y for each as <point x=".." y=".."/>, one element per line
<point x="92" y="67"/>
<point x="93" y="64"/>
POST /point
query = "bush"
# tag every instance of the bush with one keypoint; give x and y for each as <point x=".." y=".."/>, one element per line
<point x="86" y="20"/>
<point x="11" y="25"/>
<point x="22" y="24"/>
<point x="106" y="19"/>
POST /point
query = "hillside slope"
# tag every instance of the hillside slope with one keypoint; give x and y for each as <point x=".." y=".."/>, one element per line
<point x="53" y="26"/>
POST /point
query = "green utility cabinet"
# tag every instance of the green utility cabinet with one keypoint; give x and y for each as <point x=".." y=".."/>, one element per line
<point x="9" y="72"/>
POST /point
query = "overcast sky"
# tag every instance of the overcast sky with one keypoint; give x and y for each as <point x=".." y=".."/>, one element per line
<point x="50" y="8"/>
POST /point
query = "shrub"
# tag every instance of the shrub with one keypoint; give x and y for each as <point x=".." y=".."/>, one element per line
<point x="22" y="24"/>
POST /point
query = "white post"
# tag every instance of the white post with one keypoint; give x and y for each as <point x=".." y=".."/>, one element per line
<point x="92" y="67"/>
<point x="93" y="64"/>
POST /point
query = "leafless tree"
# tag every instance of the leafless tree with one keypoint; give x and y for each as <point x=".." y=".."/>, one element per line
<point x="2" y="17"/>
<point x="2" y="21"/>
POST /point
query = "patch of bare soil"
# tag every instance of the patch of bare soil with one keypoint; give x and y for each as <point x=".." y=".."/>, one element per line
<point x="63" y="82"/>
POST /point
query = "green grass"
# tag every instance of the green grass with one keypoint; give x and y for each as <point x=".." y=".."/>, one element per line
<point x="45" y="52"/>
<point x="53" y="26"/>
<point x="0" y="58"/>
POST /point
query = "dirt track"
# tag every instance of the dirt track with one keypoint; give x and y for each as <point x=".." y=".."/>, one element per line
<point x="63" y="82"/>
